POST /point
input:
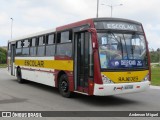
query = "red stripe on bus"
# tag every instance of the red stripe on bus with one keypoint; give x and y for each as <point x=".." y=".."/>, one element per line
<point x="30" y="69"/>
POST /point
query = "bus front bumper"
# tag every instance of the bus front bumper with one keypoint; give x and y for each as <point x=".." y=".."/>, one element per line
<point x="121" y="88"/>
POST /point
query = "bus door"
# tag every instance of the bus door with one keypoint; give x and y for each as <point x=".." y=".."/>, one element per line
<point x="82" y="61"/>
<point x="13" y="48"/>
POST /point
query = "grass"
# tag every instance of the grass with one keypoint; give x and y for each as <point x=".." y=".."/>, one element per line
<point x="155" y="80"/>
<point x="3" y="65"/>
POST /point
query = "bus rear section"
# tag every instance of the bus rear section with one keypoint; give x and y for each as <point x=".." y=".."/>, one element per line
<point x="123" y="57"/>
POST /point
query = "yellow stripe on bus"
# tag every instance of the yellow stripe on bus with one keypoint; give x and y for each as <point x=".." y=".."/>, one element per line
<point x="126" y="77"/>
<point x="50" y="64"/>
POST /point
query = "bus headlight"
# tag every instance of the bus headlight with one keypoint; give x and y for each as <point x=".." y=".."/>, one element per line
<point x="146" y="78"/>
<point x="106" y="80"/>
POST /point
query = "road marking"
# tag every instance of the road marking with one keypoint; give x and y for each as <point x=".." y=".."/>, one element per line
<point x="155" y="87"/>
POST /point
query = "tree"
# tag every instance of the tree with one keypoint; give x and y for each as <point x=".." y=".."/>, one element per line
<point x="158" y="50"/>
<point x="3" y="56"/>
<point x="155" y="56"/>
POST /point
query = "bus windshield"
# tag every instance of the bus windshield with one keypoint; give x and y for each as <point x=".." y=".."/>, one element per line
<point x="118" y="50"/>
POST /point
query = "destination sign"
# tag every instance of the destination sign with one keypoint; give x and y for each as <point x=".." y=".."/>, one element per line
<point x="125" y="63"/>
<point x="118" y="26"/>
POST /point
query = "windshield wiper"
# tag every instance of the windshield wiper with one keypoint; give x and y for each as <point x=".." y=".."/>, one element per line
<point x="118" y="41"/>
<point x="113" y="36"/>
<point x="132" y="52"/>
<point x="121" y="46"/>
<point x="125" y="46"/>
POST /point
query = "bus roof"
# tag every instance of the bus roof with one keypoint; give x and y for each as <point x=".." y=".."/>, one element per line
<point x="91" y="20"/>
<point x="76" y="24"/>
<point x="34" y="35"/>
<point x="116" y="19"/>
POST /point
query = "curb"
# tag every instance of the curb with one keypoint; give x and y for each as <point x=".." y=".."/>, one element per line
<point x="155" y="87"/>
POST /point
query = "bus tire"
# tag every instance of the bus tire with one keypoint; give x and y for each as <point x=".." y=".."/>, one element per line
<point x="63" y="86"/>
<point x="19" y="76"/>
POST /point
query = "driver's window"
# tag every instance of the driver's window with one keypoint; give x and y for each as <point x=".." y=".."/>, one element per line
<point x="138" y="44"/>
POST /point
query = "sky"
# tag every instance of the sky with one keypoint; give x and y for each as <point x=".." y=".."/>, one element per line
<point x="31" y="16"/>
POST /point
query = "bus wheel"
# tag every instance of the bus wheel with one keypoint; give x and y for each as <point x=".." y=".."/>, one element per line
<point x="19" y="76"/>
<point x="64" y="86"/>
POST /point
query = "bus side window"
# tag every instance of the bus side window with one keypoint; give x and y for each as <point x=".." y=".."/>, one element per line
<point x="33" y="46"/>
<point x="64" y="43"/>
<point x="65" y="37"/>
<point x="41" y="46"/>
<point x="26" y="44"/>
<point x="50" y="45"/>
<point x="19" y="48"/>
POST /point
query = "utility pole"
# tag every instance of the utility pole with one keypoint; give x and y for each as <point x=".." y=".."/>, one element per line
<point x="11" y="27"/>
<point x="97" y="7"/>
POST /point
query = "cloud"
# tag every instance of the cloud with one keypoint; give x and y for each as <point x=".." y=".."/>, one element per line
<point x="36" y="15"/>
<point x="3" y="18"/>
<point x="153" y="40"/>
<point x="22" y="30"/>
<point x="152" y="36"/>
<point x="152" y="27"/>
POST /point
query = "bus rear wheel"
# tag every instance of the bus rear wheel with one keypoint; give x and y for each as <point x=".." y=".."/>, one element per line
<point x="19" y="76"/>
<point x="64" y="86"/>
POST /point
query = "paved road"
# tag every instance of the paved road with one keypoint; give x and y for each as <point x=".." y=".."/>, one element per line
<point x="32" y="96"/>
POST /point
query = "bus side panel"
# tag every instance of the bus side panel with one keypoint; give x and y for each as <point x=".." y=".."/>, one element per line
<point x="38" y="75"/>
<point x="37" y="69"/>
<point x="65" y="67"/>
<point x="71" y="83"/>
<point x="9" y="64"/>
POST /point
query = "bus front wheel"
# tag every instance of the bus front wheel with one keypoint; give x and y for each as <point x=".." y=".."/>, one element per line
<point x="64" y="86"/>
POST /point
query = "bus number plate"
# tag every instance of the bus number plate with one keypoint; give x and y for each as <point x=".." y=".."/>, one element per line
<point x="128" y="87"/>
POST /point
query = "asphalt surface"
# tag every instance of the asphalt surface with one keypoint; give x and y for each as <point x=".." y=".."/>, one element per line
<point x="36" y="97"/>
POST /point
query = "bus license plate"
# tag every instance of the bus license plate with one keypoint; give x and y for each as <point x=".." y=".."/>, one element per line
<point x="128" y="87"/>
